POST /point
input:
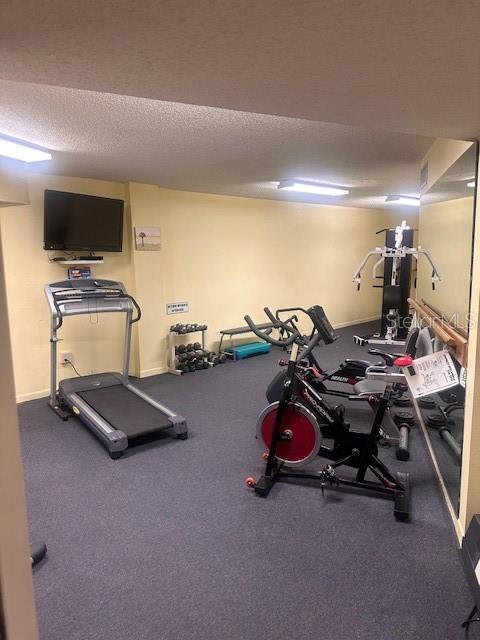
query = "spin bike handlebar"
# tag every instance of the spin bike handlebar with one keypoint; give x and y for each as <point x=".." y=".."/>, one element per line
<point x="293" y="335"/>
<point x="265" y="336"/>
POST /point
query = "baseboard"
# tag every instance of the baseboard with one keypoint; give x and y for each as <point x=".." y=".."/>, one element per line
<point x="33" y="395"/>
<point x="146" y="373"/>
<point x="44" y="393"/>
<point x="351" y="323"/>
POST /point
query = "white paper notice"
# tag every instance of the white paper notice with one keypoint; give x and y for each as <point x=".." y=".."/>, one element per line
<point x="430" y="374"/>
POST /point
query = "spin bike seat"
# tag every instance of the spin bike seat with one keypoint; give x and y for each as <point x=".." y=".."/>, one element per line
<point x="369" y="387"/>
<point x="358" y="363"/>
<point x="388" y="358"/>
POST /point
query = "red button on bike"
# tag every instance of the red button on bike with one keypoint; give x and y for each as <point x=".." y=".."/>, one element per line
<point x="403" y="361"/>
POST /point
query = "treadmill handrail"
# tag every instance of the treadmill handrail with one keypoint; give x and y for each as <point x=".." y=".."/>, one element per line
<point x="71" y="296"/>
<point x="74" y="297"/>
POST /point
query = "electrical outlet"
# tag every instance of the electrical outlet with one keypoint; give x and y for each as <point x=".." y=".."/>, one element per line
<point x="66" y="357"/>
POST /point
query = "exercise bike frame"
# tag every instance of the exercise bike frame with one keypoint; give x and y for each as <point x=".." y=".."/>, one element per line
<point x="351" y="370"/>
<point x="354" y="449"/>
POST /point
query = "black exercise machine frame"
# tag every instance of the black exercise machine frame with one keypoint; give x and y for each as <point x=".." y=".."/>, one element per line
<point x="351" y="448"/>
<point x="351" y="370"/>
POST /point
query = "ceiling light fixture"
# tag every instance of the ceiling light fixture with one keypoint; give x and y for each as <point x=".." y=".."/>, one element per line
<point x="22" y="151"/>
<point x="409" y="201"/>
<point x="311" y="187"/>
<point x="471" y="184"/>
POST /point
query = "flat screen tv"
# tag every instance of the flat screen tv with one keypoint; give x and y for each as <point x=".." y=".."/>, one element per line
<point x="77" y="222"/>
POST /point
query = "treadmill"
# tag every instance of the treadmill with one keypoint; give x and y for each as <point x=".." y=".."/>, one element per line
<point x="114" y="409"/>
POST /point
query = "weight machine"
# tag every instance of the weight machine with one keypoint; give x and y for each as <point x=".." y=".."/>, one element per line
<point x="396" y="256"/>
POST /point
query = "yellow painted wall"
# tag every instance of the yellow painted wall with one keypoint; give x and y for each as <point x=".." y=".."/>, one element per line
<point x="17" y="605"/>
<point x="93" y="340"/>
<point x="230" y="256"/>
<point x="445" y="230"/>
<point x="13" y="183"/>
<point x="470" y="478"/>
<point x="440" y="157"/>
<point x="226" y="256"/>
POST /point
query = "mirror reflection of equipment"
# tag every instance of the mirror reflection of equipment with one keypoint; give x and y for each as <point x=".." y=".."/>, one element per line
<point x="396" y="256"/>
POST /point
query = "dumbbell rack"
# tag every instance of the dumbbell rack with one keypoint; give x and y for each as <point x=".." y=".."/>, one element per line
<point x="172" y="337"/>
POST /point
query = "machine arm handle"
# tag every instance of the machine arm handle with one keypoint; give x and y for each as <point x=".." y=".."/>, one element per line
<point x="436" y="277"/>
<point x="357" y="277"/>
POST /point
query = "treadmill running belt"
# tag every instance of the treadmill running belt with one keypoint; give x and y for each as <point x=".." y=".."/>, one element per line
<point x="125" y="411"/>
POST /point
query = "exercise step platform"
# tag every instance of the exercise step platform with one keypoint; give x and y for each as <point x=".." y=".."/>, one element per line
<point x="248" y="350"/>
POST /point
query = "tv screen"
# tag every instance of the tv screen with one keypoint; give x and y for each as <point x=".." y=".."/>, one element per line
<point x="76" y="222"/>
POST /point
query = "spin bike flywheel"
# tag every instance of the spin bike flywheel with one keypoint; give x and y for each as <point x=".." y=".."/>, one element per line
<point x="301" y="436"/>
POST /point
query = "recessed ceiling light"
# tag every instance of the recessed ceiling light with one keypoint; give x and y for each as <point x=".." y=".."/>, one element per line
<point x="471" y="184"/>
<point x="409" y="201"/>
<point x="22" y="151"/>
<point x="311" y="187"/>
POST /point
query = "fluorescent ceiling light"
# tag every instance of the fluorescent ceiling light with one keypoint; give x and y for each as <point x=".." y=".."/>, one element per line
<point x="409" y="201"/>
<point x="471" y="184"/>
<point x="22" y="151"/>
<point x="311" y="187"/>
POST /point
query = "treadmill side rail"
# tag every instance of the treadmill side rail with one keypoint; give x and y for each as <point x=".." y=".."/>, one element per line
<point x="178" y="422"/>
<point x="113" y="439"/>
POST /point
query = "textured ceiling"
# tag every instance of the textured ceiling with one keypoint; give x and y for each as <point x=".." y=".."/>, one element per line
<point x="187" y="147"/>
<point x="399" y="65"/>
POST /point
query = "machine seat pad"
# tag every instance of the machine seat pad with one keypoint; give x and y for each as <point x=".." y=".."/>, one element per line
<point x="369" y="387"/>
<point x="360" y="363"/>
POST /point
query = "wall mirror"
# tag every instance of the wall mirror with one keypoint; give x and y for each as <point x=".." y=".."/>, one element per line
<point x="446" y="224"/>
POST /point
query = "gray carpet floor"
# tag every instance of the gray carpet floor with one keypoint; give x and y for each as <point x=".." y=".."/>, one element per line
<point x="167" y="543"/>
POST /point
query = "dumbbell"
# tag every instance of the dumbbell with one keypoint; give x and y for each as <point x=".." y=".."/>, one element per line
<point x="184" y="368"/>
<point x="404" y="421"/>
<point x="402" y="401"/>
<point x="404" y="417"/>
<point x="436" y="420"/>
<point x="427" y="402"/>
<point x="197" y="346"/>
<point x="222" y="358"/>
<point x="191" y="355"/>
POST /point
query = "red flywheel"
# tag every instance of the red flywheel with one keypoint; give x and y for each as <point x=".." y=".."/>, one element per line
<point x="301" y="434"/>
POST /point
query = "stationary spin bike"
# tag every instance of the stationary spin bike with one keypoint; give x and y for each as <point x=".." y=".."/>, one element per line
<point x="396" y="428"/>
<point x="293" y="432"/>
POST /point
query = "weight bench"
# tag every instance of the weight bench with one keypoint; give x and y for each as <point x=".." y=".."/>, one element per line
<point x="237" y="331"/>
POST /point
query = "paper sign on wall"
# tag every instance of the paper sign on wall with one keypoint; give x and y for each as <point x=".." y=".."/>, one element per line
<point x="177" y="307"/>
<point x="431" y="374"/>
